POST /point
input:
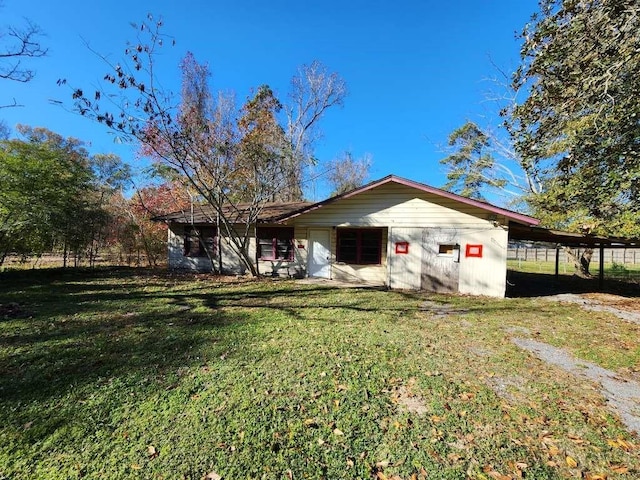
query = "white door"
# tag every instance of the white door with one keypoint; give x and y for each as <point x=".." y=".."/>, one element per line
<point x="319" y="253"/>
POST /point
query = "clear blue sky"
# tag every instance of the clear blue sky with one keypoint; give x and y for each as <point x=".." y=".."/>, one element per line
<point x="415" y="70"/>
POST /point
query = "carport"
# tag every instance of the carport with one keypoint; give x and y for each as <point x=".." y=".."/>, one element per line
<point x="558" y="238"/>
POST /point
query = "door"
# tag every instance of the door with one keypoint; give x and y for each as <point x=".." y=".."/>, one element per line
<point x="405" y="257"/>
<point x="440" y="260"/>
<point x="319" y="255"/>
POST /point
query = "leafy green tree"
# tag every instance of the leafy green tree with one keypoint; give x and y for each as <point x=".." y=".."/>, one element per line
<point x="471" y="164"/>
<point x="579" y="125"/>
<point x="51" y="194"/>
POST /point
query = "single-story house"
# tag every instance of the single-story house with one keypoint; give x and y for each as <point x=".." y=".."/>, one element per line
<point x="392" y="232"/>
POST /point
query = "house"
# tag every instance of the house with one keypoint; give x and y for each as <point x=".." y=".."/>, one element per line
<point x="391" y="232"/>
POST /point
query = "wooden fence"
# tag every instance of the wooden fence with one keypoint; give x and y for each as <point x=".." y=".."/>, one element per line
<point x="623" y="256"/>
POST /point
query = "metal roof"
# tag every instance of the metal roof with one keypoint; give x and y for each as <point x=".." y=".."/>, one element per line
<point x="519" y="232"/>
<point x="270" y="212"/>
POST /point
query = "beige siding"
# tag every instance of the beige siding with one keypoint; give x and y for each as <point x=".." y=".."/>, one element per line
<point x="175" y="250"/>
<point x="486" y="275"/>
<point x="231" y="262"/>
<point x="369" y="274"/>
<point x="395" y="205"/>
<point x="405" y="268"/>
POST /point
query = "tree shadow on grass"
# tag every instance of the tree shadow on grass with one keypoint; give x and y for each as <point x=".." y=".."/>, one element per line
<point x="77" y="333"/>
<point x="522" y="285"/>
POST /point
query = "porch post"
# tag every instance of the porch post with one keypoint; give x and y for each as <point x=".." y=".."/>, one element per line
<point x="557" y="260"/>
<point x="601" y="269"/>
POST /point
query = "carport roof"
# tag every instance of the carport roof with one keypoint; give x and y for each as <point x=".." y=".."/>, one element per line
<point x="519" y="232"/>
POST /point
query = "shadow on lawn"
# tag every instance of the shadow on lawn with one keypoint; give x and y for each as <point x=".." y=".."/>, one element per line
<point x="85" y="327"/>
<point x="521" y="284"/>
<point x="78" y="331"/>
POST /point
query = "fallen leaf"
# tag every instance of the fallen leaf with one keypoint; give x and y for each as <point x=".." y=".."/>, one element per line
<point x="212" y="476"/>
<point x="571" y="462"/>
<point x="381" y="476"/>
<point x="152" y="452"/>
<point x="594" y="476"/>
<point x="382" y="464"/>
<point x="337" y="432"/>
<point x="135" y="466"/>
<point x="553" y="450"/>
<point x="619" y="468"/>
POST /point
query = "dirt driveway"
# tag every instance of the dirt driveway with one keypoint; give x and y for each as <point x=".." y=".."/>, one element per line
<point x="623" y="394"/>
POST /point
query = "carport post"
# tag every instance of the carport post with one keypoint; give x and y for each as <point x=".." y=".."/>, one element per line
<point x="601" y="269"/>
<point x="557" y="260"/>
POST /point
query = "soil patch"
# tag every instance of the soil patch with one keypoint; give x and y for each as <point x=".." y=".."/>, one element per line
<point x="623" y="395"/>
<point x="627" y="309"/>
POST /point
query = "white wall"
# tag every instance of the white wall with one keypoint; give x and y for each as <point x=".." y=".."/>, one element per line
<point x="231" y="262"/>
<point x="486" y="275"/>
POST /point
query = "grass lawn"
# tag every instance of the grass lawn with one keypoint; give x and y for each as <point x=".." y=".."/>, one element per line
<point x="126" y="374"/>
<point x="611" y="270"/>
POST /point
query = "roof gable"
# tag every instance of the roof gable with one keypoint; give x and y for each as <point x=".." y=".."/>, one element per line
<point x="511" y="215"/>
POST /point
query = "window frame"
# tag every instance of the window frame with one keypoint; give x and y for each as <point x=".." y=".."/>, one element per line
<point x="275" y="235"/>
<point x="203" y="234"/>
<point x="359" y="233"/>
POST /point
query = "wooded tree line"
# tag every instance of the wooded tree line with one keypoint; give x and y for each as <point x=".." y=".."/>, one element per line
<point x="570" y="149"/>
<point x="205" y="148"/>
<point x="56" y="197"/>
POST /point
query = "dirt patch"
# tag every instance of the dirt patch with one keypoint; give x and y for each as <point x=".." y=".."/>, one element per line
<point x="512" y="388"/>
<point x="623" y="395"/>
<point x="603" y="303"/>
<point x="404" y="396"/>
<point x="440" y="309"/>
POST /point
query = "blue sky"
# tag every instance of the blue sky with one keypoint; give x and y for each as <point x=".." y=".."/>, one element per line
<point x="415" y="70"/>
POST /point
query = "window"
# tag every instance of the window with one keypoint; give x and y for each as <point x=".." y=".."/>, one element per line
<point x="446" y="249"/>
<point x="359" y="246"/>
<point x="275" y="243"/>
<point x="199" y="240"/>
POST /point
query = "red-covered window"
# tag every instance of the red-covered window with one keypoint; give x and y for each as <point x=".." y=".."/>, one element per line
<point x="199" y="240"/>
<point x="275" y="243"/>
<point x="359" y="246"/>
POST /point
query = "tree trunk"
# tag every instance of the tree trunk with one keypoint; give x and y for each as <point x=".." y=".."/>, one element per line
<point x="581" y="263"/>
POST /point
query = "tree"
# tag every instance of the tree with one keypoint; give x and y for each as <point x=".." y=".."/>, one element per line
<point x="204" y="141"/>
<point x="50" y="196"/>
<point x="18" y="44"/>
<point x="347" y="173"/>
<point x="471" y="165"/>
<point x="580" y="122"/>
<point x="313" y="91"/>
<point x="4" y="130"/>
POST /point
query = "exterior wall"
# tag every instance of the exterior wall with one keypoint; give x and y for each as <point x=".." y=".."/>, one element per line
<point x="176" y="258"/>
<point x="486" y="275"/>
<point x="369" y="274"/>
<point x="411" y="213"/>
<point x="231" y="262"/>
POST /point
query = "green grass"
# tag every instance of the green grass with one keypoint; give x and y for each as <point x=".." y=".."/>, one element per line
<point x="611" y="270"/>
<point x="121" y="374"/>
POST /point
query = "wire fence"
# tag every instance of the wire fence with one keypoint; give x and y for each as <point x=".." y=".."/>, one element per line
<point x="619" y="263"/>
